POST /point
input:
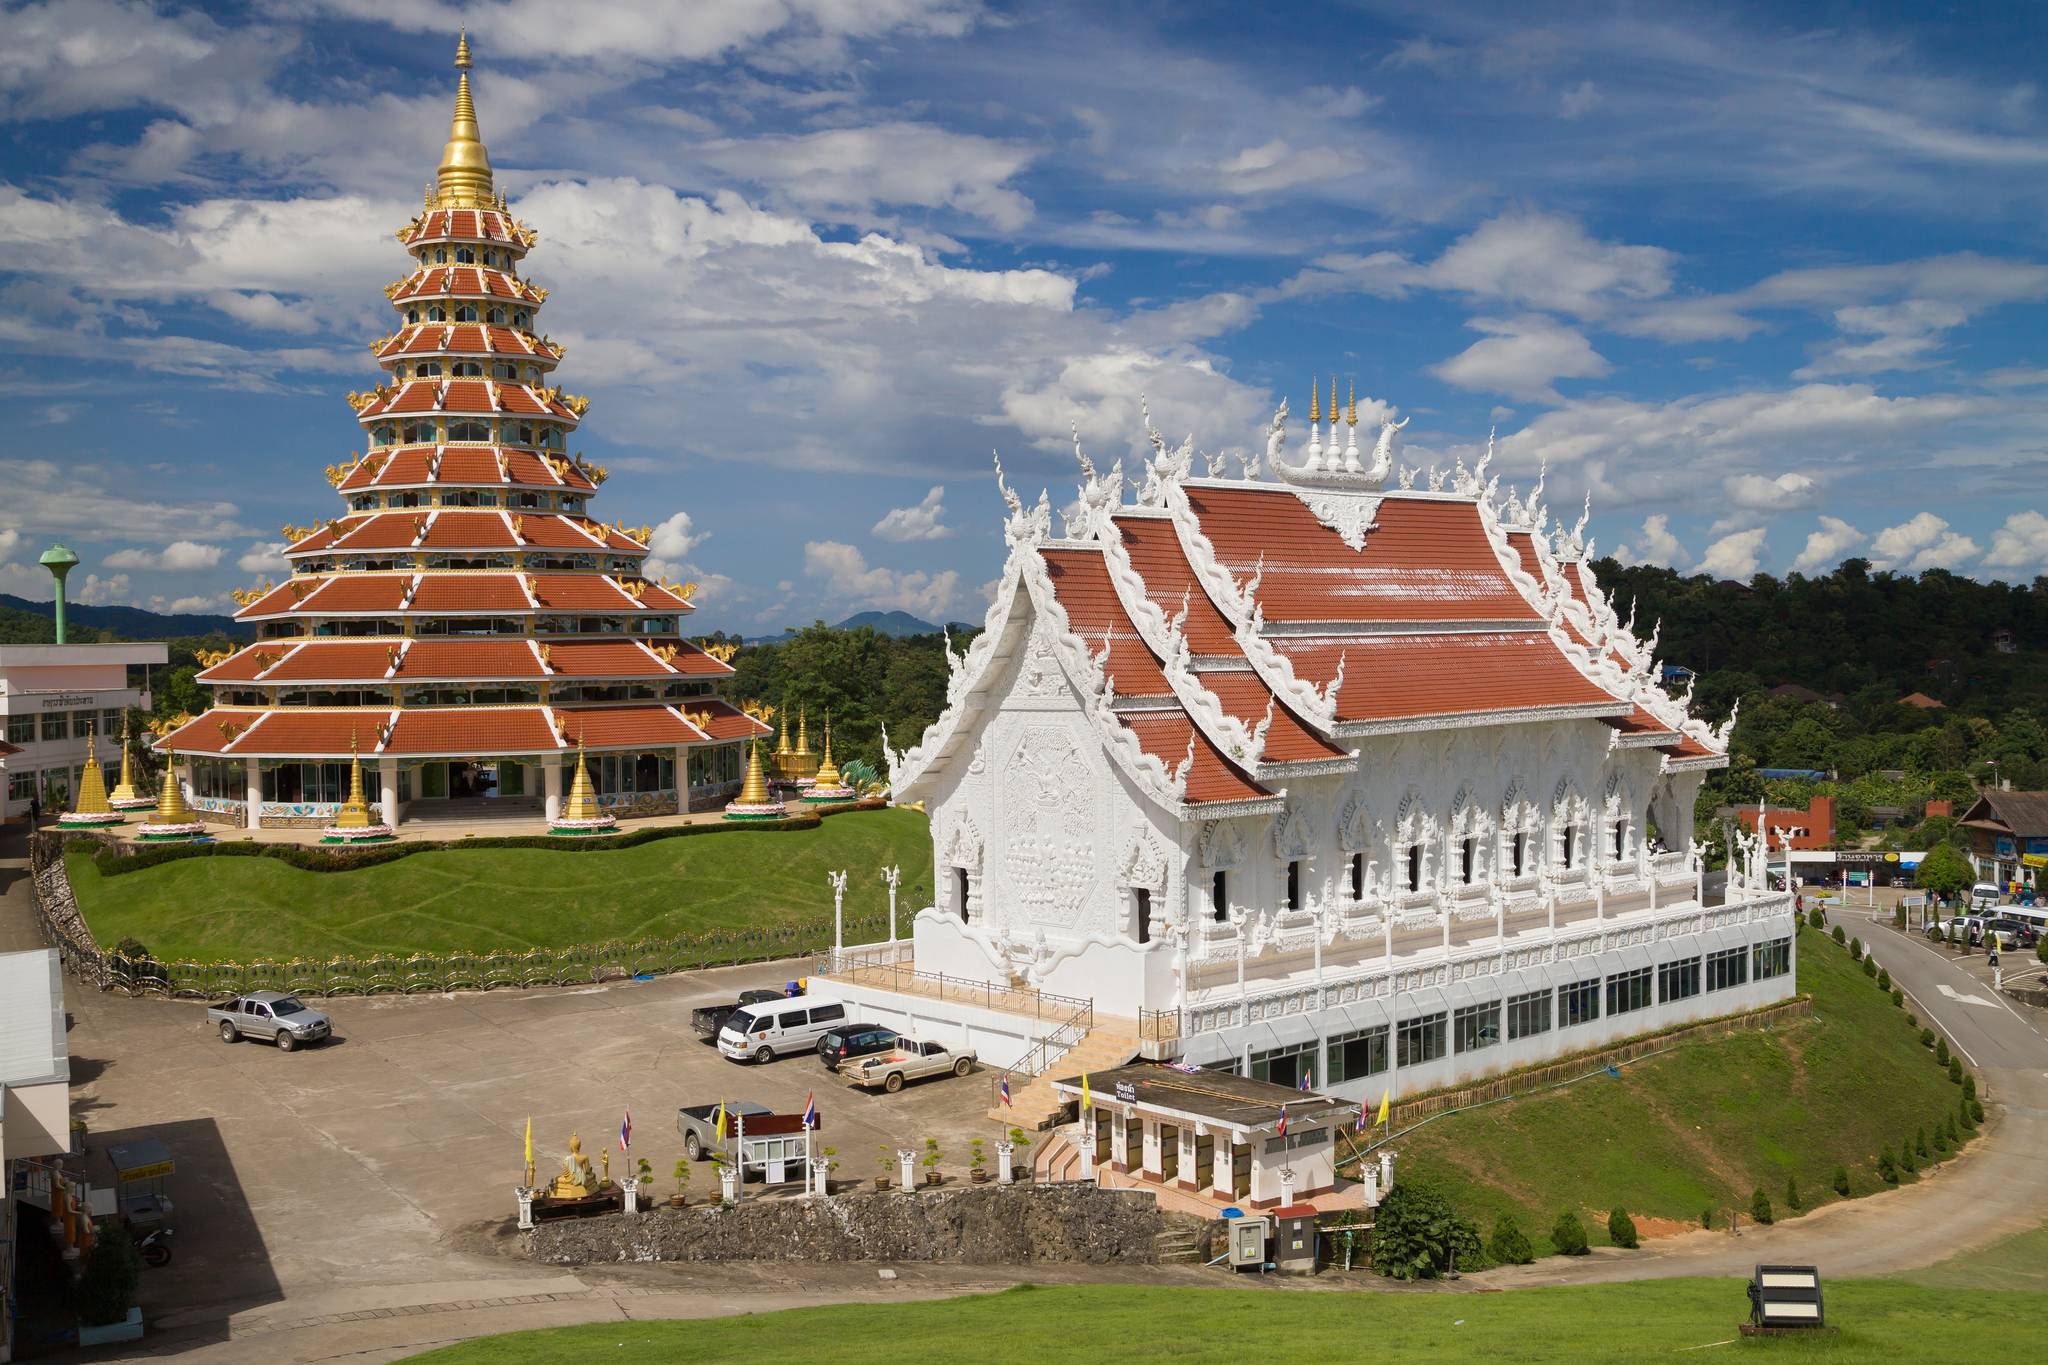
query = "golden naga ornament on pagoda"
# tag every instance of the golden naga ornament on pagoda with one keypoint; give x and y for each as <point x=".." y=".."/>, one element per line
<point x="580" y="813"/>
<point x="755" y="801"/>
<point x="89" y="810"/>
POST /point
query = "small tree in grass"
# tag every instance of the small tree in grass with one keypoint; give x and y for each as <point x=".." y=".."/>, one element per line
<point x="1707" y="1216"/>
<point x="1906" y="1162"/>
<point x="1969" y="1119"/>
<point x="1969" y="1087"/>
<point x="1417" y="1234"/>
<point x="1976" y="1109"/>
<point x="1509" y="1245"/>
<point x="1855" y="950"/>
<point x="1941" y="1052"/>
<point x="1898" y="997"/>
<point x="1955" y="1070"/>
<point x="1870" y="967"/>
<point x="1568" y="1235"/>
<point x="1760" y="1206"/>
<point x="1941" y="1142"/>
<point x="1840" y="937"/>
<point x="1927" y="1038"/>
<point x="1884" y="978"/>
<point x="1817" y="918"/>
<point x="1887" y="1167"/>
<point x="1842" y="1181"/>
<point x="1792" y="1193"/>
<point x="1920" y="1144"/>
<point x="1621" y="1230"/>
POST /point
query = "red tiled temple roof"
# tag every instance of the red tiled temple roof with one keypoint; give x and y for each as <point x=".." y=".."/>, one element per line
<point x="1243" y="695"/>
<point x="1165" y="735"/>
<point x="1155" y="551"/>
<point x="1396" y="677"/>
<point x="1080" y="580"/>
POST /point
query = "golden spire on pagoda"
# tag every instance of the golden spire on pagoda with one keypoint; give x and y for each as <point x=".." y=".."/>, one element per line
<point x="803" y="734"/>
<point x="1315" y="411"/>
<point x="92" y="788"/>
<point x="1351" y="413"/>
<point x="782" y="737"/>
<point x="582" y="802"/>
<point x="124" y="790"/>
<point x="354" y="812"/>
<point x="170" y="802"/>
<point x="464" y="180"/>
<point x="754" y="791"/>
<point x="828" y="772"/>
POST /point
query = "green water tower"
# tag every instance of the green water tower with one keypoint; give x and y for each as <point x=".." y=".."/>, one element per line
<point x="59" y="560"/>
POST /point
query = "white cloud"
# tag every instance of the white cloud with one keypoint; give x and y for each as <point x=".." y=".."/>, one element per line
<point x="84" y="500"/>
<point x="1734" y="556"/>
<point x="1550" y="262"/>
<point x="841" y="170"/>
<point x="1760" y="493"/>
<point x="1924" y="542"/>
<point x="99" y="591"/>
<point x="264" y="557"/>
<point x="850" y="582"/>
<point x="916" y="523"/>
<point x="1826" y="545"/>
<point x="2021" y="543"/>
<point x="671" y="555"/>
<point x="196" y="603"/>
<point x="177" y="557"/>
<point x="1578" y="101"/>
<point x="1521" y="357"/>
<point x="1655" y="544"/>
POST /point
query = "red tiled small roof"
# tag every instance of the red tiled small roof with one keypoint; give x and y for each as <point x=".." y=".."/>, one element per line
<point x="466" y="338"/>
<point x="459" y="592"/>
<point x="1080" y="580"/>
<point x="1637" y="724"/>
<point x="726" y="720"/>
<point x="462" y="731"/>
<point x="463" y="281"/>
<point x="464" y="225"/>
<point x="1427" y="559"/>
<point x="605" y="659"/>
<point x="1155" y="551"/>
<point x="1398" y="677"/>
<point x="1165" y="735"/>
<point x="611" y="727"/>
<point x="1244" y="695"/>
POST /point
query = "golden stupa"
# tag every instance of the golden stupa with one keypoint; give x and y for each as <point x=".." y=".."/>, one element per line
<point x="580" y="813"/>
<point x="354" y="822"/>
<point x="174" y="819"/>
<point x="90" y="807"/>
<point x="124" y="796"/>
<point x="831" y="783"/>
<point x="755" y="801"/>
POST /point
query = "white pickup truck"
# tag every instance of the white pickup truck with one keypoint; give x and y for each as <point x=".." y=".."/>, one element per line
<point x="907" y="1061"/>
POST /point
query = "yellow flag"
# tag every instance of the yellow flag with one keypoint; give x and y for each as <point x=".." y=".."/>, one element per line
<point x="718" y="1121"/>
<point x="1087" y="1101"/>
<point x="529" y="1139"/>
<point x="1385" y="1110"/>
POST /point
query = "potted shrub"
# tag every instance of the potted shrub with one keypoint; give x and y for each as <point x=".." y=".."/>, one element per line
<point x="1020" y="1155"/>
<point x="682" y="1176"/>
<point x="831" y="1155"/>
<point x="884" y="1159"/>
<point x="105" y="1291"/>
<point x="930" y="1161"/>
<point x="975" y="1170"/>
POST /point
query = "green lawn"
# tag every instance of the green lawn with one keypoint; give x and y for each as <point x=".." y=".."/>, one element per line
<point x="510" y="899"/>
<point x="1706" y="1124"/>
<point x="1623" y="1322"/>
<point x="2018" y="1262"/>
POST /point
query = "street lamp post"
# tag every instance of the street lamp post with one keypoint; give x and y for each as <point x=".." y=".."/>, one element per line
<point x="892" y="875"/>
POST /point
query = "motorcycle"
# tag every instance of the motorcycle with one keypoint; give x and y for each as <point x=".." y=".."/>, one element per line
<point x="155" y="1247"/>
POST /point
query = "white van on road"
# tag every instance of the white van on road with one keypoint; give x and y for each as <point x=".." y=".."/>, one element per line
<point x="1985" y="895"/>
<point x="775" y="1028"/>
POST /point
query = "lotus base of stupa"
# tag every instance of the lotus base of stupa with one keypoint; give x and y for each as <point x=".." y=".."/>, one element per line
<point x="773" y="810"/>
<point x="819" y="796"/>
<point x="357" y="834"/>
<point x="596" y="824"/>
<point x="169" y="834"/>
<point x="72" y="819"/>
<point x="132" y="802"/>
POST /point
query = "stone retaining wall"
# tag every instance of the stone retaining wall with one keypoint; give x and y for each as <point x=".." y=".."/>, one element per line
<point x="968" y="1224"/>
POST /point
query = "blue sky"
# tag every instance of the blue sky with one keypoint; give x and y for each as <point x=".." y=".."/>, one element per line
<point x="1768" y="281"/>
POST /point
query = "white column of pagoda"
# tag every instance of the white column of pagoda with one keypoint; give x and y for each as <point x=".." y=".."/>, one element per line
<point x="387" y="783"/>
<point x="682" y="779"/>
<point x="252" y="793"/>
<point x="551" y="786"/>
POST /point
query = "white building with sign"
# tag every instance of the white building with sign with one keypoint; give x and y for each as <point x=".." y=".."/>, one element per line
<point x="1318" y="773"/>
<point x="51" y="698"/>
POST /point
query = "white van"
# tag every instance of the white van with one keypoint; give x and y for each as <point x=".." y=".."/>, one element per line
<point x="1984" y="895"/>
<point x="775" y="1028"/>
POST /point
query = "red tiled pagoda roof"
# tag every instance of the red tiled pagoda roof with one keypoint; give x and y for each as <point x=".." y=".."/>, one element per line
<point x="1396" y="677"/>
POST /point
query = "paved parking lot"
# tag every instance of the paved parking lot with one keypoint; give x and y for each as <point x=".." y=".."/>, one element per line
<point x="329" y="1175"/>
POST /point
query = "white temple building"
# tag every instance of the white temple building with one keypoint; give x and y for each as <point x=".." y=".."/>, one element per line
<point x="1319" y="774"/>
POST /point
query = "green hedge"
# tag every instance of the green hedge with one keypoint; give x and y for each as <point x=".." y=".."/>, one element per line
<point x="112" y="861"/>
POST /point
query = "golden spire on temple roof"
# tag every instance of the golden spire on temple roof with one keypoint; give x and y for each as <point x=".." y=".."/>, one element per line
<point x="1351" y="414"/>
<point x="464" y="180"/>
<point x="1315" y="412"/>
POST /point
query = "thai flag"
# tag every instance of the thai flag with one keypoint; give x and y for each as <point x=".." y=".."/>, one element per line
<point x="1004" y="1089"/>
<point x="810" y="1111"/>
<point x="626" y="1131"/>
<point x="1281" y="1131"/>
<point x="1304" y="1083"/>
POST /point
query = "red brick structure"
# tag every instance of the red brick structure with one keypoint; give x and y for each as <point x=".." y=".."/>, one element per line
<point x="1811" y="828"/>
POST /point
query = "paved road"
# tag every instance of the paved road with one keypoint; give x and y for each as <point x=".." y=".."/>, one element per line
<point x="1997" y="1188"/>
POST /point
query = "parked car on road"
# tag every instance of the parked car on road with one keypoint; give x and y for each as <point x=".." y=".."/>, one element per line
<point x="761" y="1033"/>
<point x="2023" y="933"/>
<point x="698" y="1123"/>
<point x="909" y="1060"/>
<point x="1985" y="895"/>
<point x="271" y="1016"/>
<point x="854" y="1040"/>
<point x="709" y="1019"/>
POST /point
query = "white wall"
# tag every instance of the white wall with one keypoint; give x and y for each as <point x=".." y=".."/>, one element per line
<point x="998" y="1039"/>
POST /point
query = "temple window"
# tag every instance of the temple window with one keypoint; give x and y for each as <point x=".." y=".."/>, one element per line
<point x="467" y="369"/>
<point x="412" y="315"/>
<point x="465" y="312"/>
<point x="465" y="255"/>
<point x="1620" y="841"/>
<point x="522" y="432"/>
<point x="426" y="369"/>
<point x="1141" y="913"/>
<point x="1294" y="885"/>
<point x="523" y="318"/>
<point x="418" y="433"/>
<point x="1415" y="867"/>
<point x="572" y="504"/>
<point x="1518" y="852"/>
<point x="1219" y="895"/>
<point x="439" y="314"/>
<point x="1358" y="876"/>
<point x="551" y="438"/>
<point x="960" y="892"/>
<point x="1568" y="837"/>
<point x="504" y="369"/>
<point x="527" y="500"/>
<point x="440" y="255"/>
<point x="383" y="435"/>
<point x="469" y="431"/>
<point x="1468" y="860"/>
<point x="497" y="317"/>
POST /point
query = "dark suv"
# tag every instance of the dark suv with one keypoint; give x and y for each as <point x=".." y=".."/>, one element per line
<point x="2024" y="934"/>
<point x="854" y="1040"/>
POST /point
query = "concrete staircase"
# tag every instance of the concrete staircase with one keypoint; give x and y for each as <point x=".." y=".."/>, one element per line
<point x="1035" y="1105"/>
<point x="1178" y="1246"/>
<point x="1061" y="1159"/>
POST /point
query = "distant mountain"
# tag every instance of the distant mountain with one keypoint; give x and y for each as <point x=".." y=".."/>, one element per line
<point x="133" y="623"/>
<point x="896" y="623"/>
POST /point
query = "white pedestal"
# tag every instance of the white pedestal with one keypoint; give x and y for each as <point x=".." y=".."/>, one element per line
<point x="1086" y="1143"/>
<point x="1386" y="1169"/>
<point x="821" y="1178"/>
<point x="729" y="1184"/>
<point x="906" y="1168"/>
<point x="632" y="1189"/>
<point x="525" y="1198"/>
<point x="1005" y="1153"/>
<point x="1372" y="1187"/>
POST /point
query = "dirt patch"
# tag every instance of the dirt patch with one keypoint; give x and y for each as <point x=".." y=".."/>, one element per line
<point x="1649" y="1229"/>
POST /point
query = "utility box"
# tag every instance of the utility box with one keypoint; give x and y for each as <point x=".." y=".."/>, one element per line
<point x="1294" y="1239"/>
<point x="1248" y="1244"/>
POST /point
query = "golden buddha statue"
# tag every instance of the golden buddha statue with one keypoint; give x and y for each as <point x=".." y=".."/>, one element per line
<point x="577" y="1179"/>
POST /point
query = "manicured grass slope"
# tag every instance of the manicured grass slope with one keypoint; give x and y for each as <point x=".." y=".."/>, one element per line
<point x="1706" y="1124"/>
<point x="1623" y="1322"/>
<point x="510" y="899"/>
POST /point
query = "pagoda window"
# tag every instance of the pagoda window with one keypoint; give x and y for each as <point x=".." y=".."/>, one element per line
<point x="1219" y="896"/>
<point x="439" y="314"/>
<point x="412" y="316"/>
<point x="1568" y="839"/>
<point x="465" y="312"/>
<point x="551" y="439"/>
<point x="522" y="432"/>
<point x="504" y="369"/>
<point x="655" y="625"/>
<point x="469" y="431"/>
<point x="526" y="500"/>
<point x="426" y="369"/>
<point x="522" y="318"/>
<point x="1468" y="861"/>
<point x="681" y="688"/>
<point x="1518" y="853"/>
<point x="496" y="317"/>
<point x="1358" y="876"/>
<point x="573" y="502"/>
<point x="252" y="696"/>
<point x="362" y="502"/>
<point x="409" y="498"/>
<point x="1141" y="913"/>
<point x="440" y="255"/>
<point x="419" y="433"/>
<point x="465" y="255"/>
<point x="291" y="783"/>
<point x="467" y="369"/>
<point x="383" y="435"/>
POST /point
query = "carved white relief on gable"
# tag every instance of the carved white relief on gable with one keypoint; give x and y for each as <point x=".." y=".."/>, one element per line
<point x="1222" y="844"/>
<point x="1143" y="864"/>
<point x="1354" y="825"/>
<point x="1038" y="673"/>
<point x="1350" y="516"/>
<point x="1050" y="802"/>
<point x="1291" y="836"/>
<point x="963" y="844"/>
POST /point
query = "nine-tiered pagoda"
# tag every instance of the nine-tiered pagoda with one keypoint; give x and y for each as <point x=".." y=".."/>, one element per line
<point x="465" y="622"/>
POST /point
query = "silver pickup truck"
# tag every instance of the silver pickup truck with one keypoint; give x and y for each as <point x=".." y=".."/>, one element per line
<point x="907" y="1061"/>
<point x="271" y="1016"/>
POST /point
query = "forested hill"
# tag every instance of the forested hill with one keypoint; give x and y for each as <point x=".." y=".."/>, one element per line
<point x="1869" y="637"/>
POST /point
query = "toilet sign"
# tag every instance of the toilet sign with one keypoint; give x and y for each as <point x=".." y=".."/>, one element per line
<point x="1127" y="1092"/>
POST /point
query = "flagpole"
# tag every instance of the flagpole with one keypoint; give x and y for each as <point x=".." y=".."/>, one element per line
<point x="739" y="1186"/>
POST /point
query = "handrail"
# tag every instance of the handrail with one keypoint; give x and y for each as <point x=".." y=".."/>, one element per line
<point x="1040" y="1056"/>
<point x="895" y="976"/>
